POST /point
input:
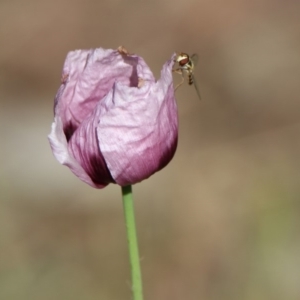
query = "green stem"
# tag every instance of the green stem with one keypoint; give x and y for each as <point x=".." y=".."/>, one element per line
<point x="136" y="278"/>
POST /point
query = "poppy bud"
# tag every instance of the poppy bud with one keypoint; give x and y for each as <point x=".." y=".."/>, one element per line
<point x="113" y="122"/>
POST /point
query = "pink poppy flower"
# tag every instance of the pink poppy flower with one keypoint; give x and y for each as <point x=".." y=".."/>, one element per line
<point x="113" y="123"/>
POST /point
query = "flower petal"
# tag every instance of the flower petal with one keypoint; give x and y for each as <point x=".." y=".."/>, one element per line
<point x="88" y="75"/>
<point x="59" y="145"/>
<point x="138" y="128"/>
<point x="84" y="146"/>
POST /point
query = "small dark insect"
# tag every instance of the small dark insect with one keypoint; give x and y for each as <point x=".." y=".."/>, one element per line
<point x="186" y="64"/>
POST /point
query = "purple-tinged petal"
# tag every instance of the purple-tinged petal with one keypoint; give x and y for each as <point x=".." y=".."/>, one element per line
<point x="59" y="145"/>
<point x="138" y="128"/>
<point x="88" y="75"/>
<point x="84" y="147"/>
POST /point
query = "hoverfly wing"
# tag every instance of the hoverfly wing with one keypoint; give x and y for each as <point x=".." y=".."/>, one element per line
<point x="194" y="58"/>
<point x="196" y="86"/>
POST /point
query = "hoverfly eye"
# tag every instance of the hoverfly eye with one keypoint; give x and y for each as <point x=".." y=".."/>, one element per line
<point x="183" y="61"/>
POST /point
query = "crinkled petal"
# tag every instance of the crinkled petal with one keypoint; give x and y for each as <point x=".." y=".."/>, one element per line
<point x="88" y="75"/>
<point x="138" y="128"/>
<point x="59" y="145"/>
<point x="84" y="146"/>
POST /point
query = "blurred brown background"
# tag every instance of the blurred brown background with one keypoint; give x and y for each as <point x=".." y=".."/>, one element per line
<point x="222" y="220"/>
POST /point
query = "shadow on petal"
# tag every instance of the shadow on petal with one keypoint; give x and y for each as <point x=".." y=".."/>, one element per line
<point x="69" y="129"/>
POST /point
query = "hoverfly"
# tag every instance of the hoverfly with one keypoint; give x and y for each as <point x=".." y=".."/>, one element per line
<point x="186" y="64"/>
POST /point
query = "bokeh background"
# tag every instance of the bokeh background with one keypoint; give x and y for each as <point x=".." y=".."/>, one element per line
<point x="222" y="220"/>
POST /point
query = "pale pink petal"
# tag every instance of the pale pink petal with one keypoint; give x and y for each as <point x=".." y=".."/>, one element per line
<point x="59" y="146"/>
<point x="88" y="75"/>
<point x="138" y="128"/>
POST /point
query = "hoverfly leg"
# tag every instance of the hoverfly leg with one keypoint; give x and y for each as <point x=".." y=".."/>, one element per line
<point x="179" y="71"/>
